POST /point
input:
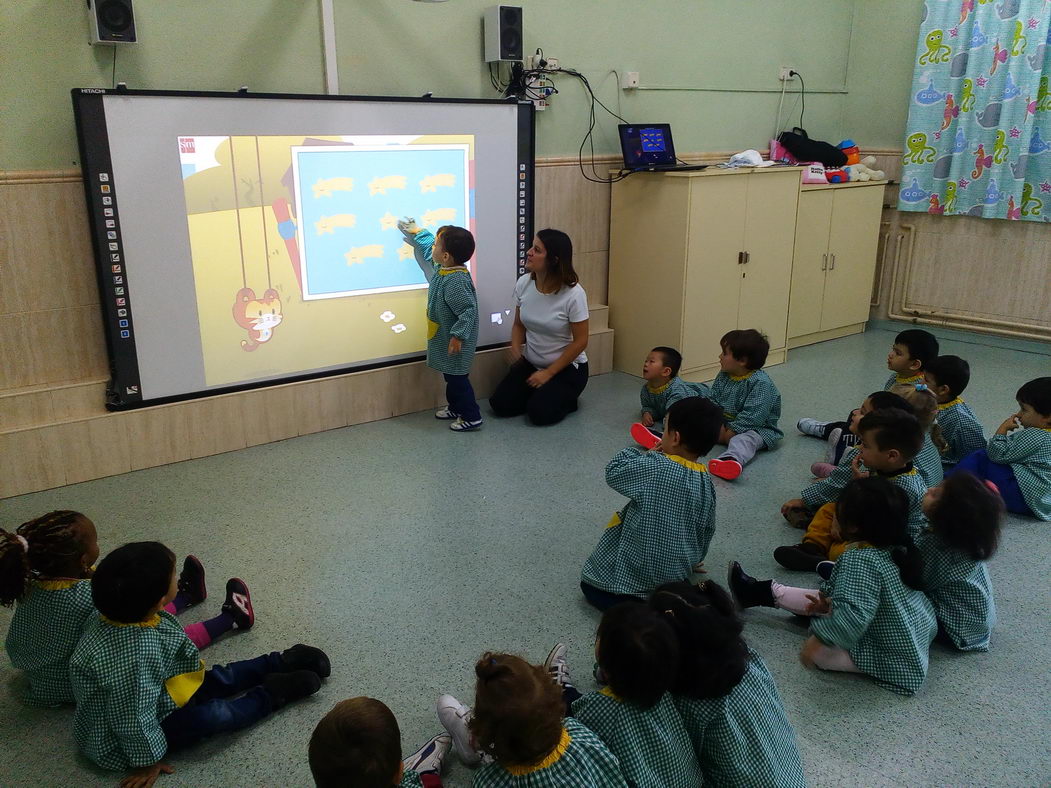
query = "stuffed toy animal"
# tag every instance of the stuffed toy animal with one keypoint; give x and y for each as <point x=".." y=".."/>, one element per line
<point x="863" y="170"/>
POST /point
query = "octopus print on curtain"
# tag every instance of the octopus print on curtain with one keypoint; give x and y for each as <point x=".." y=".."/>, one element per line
<point x="978" y="139"/>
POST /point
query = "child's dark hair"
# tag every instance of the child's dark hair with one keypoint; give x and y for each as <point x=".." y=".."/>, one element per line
<point x="1037" y="395"/>
<point x="672" y="358"/>
<point x="130" y="581"/>
<point x="559" y="256"/>
<point x="967" y="515"/>
<point x="638" y="652"/>
<point x="746" y="345"/>
<point x="881" y="400"/>
<point x="357" y="743"/>
<point x="951" y="371"/>
<point x="697" y="420"/>
<point x="892" y="428"/>
<point x="517" y="710"/>
<point x="876" y="510"/>
<point x="713" y="656"/>
<point x="53" y="543"/>
<point x="922" y="345"/>
<point x="458" y="242"/>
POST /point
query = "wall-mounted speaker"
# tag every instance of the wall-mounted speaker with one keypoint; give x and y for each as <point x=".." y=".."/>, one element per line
<point x="503" y="33"/>
<point x="111" y="22"/>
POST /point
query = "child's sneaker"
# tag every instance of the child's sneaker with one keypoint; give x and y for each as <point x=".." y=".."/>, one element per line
<point x="555" y="664"/>
<point x="746" y="590"/>
<point x="822" y="470"/>
<point x="824" y="569"/>
<point x="238" y="603"/>
<point x="302" y="657"/>
<point x="798" y="517"/>
<point x="833" y="443"/>
<point x="800" y="557"/>
<point x="462" y="425"/>
<point x="812" y="427"/>
<point x="430" y="756"/>
<point x="191" y="580"/>
<point x="283" y="688"/>
<point x="454" y="717"/>
<point x="446" y="414"/>
<point x="643" y="436"/>
<point x="725" y="468"/>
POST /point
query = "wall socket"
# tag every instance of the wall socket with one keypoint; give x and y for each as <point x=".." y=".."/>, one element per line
<point x="784" y="74"/>
<point x="629" y="80"/>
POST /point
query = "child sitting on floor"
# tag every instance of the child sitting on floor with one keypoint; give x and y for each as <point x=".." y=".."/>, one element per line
<point x="669" y="520"/>
<point x="871" y="616"/>
<point x="139" y="682"/>
<point x="924" y="406"/>
<point x="634" y="714"/>
<point x="358" y="743"/>
<point x="46" y="567"/>
<point x="947" y="377"/>
<point x="964" y="516"/>
<point x="750" y="401"/>
<point x="1018" y="459"/>
<point x="725" y="695"/>
<point x="452" y="316"/>
<point x="517" y="721"/>
<point x="663" y="387"/>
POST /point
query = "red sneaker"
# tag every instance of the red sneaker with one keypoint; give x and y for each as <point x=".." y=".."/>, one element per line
<point x="643" y="436"/>
<point x="725" y="469"/>
<point x="191" y="580"/>
<point x="239" y="603"/>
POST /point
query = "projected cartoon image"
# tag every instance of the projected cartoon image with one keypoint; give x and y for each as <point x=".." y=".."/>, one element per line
<point x="286" y="232"/>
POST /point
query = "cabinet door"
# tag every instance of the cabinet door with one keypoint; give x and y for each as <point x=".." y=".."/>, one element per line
<point x="809" y="262"/>
<point x="766" y="278"/>
<point x="853" y="239"/>
<point x="713" y="276"/>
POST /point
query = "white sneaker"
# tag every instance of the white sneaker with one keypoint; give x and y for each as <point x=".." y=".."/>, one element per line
<point x="430" y="756"/>
<point x="556" y="666"/>
<point x="454" y="717"/>
<point x="446" y="414"/>
<point x="462" y="425"/>
<point x="811" y="427"/>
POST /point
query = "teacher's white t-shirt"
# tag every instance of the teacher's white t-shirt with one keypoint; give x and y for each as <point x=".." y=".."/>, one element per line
<point x="547" y="318"/>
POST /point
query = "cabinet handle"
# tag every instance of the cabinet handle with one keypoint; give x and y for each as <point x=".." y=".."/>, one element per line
<point x="740" y="258"/>
<point x="833" y="267"/>
<point x="747" y="257"/>
<point x="824" y="261"/>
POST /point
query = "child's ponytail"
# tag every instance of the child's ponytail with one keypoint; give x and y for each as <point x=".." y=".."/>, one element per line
<point x="14" y="567"/>
<point x="925" y="408"/>
<point x="910" y="564"/>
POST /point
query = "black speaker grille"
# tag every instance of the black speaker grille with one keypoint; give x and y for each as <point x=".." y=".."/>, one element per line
<point x="510" y="32"/>
<point x="115" y="15"/>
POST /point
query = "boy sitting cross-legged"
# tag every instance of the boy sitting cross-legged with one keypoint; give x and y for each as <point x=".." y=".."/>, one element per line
<point x="947" y="377"/>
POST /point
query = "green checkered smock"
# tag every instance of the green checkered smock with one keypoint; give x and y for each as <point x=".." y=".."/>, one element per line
<point x="656" y="401"/>
<point x="45" y="629"/>
<point x="410" y="779"/>
<point x="902" y="380"/>
<point x="886" y="626"/>
<point x="126" y="679"/>
<point x="961" y="430"/>
<point x="744" y="738"/>
<point x="929" y="463"/>
<point x="652" y="745"/>
<point x="664" y="529"/>
<point x="1028" y="452"/>
<point x="581" y="760"/>
<point x="915" y="488"/>
<point x="452" y="311"/>
<point x="961" y="592"/>
<point x="750" y="402"/>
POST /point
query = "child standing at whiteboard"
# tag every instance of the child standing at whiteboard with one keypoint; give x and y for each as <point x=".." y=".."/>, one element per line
<point x="452" y="316"/>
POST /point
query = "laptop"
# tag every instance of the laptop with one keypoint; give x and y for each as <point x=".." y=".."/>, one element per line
<point x="648" y="147"/>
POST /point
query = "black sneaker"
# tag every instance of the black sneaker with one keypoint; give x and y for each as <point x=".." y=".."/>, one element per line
<point x="191" y="580"/>
<point x="746" y="590"/>
<point x="301" y="657"/>
<point x="800" y="557"/>
<point x="238" y="603"/>
<point x="824" y="569"/>
<point x="283" y="688"/>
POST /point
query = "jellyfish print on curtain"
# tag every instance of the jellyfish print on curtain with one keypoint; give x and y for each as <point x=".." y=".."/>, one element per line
<point x="978" y="139"/>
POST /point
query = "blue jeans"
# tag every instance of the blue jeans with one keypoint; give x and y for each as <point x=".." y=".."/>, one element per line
<point x="214" y="709"/>
<point x="460" y="394"/>
<point x="978" y="463"/>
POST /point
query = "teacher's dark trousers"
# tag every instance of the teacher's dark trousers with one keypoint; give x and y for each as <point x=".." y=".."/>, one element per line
<point x="548" y="404"/>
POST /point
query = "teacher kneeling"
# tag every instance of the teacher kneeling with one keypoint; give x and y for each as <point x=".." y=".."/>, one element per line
<point x="549" y="368"/>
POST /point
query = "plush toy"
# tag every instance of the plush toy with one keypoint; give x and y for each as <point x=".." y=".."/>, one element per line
<point x="835" y="175"/>
<point x="850" y="148"/>
<point x="863" y="171"/>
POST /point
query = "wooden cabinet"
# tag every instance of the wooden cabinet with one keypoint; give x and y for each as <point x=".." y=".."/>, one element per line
<point x="696" y="254"/>
<point x="837" y="231"/>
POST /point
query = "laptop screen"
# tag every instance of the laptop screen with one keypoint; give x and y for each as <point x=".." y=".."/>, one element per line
<point x="646" y="144"/>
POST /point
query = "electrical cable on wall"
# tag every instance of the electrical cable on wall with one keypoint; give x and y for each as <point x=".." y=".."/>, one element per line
<point x="113" y="75"/>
